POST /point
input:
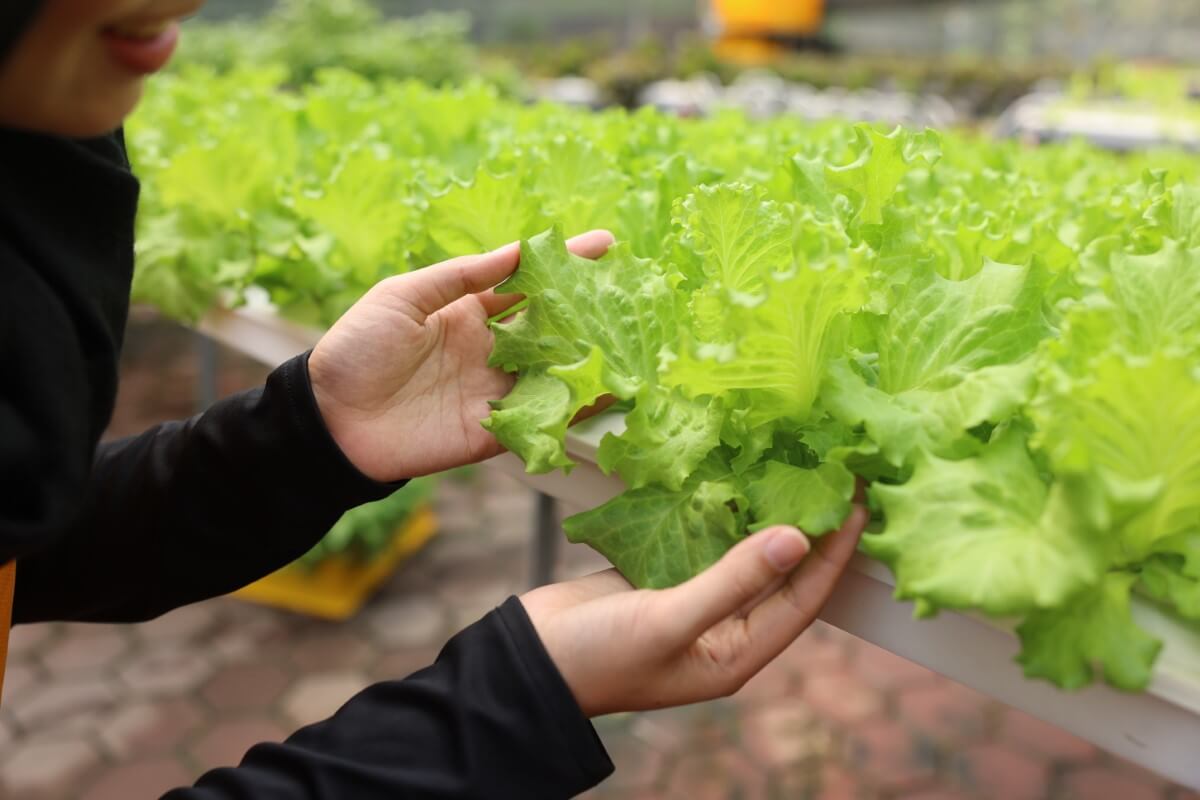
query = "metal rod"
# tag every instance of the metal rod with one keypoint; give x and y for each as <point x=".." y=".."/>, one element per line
<point x="206" y="372"/>
<point x="546" y="541"/>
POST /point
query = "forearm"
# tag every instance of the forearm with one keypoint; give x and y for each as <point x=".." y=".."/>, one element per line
<point x="491" y="718"/>
<point x="196" y="509"/>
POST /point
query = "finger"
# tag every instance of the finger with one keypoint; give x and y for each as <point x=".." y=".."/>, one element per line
<point x="742" y="574"/>
<point x="495" y="305"/>
<point x="778" y="583"/>
<point x="592" y="244"/>
<point x="433" y="288"/>
<point x="783" y="616"/>
<point x="602" y="584"/>
<point x="578" y="591"/>
<point x="771" y="589"/>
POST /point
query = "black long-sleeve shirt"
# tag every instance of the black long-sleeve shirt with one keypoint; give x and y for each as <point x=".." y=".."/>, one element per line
<point x="187" y="511"/>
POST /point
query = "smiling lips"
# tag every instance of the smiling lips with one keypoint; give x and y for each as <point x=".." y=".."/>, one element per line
<point x="143" y="47"/>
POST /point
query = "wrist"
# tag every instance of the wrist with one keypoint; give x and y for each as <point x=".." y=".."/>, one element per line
<point x="543" y="620"/>
<point x="338" y="422"/>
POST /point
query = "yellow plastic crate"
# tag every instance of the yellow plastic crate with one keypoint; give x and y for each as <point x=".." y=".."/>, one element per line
<point x="755" y="18"/>
<point x="338" y="587"/>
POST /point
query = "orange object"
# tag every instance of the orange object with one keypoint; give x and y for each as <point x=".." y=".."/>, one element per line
<point x="738" y="19"/>
<point x="748" y="52"/>
<point x="338" y="587"/>
<point x="8" y="583"/>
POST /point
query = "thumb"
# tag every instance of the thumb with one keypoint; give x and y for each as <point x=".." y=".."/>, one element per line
<point x="431" y="289"/>
<point x="738" y="579"/>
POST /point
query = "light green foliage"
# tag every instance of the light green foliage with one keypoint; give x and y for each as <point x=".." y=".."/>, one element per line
<point x="1005" y="341"/>
<point x="984" y="532"/>
<point x="306" y="36"/>
<point x="1095" y="627"/>
<point x="692" y="527"/>
<point x="364" y="532"/>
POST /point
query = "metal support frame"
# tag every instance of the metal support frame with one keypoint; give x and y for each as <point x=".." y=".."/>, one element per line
<point x="546" y="541"/>
<point x="206" y="372"/>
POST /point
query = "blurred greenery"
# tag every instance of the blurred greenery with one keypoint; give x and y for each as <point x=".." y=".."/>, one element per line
<point x="520" y="20"/>
<point x="305" y="36"/>
<point x="365" y="532"/>
<point x="437" y="48"/>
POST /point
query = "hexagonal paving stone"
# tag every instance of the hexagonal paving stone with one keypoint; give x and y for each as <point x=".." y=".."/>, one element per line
<point x="189" y="622"/>
<point x="1103" y="782"/>
<point x="245" y="686"/>
<point x="66" y="704"/>
<point x="138" y="779"/>
<point x="815" y="653"/>
<point x="663" y="735"/>
<point x="774" y="682"/>
<point x="993" y="770"/>
<point x="45" y="768"/>
<point x="938" y="793"/>
<point x="20" y="679"/>
<point x="25" y="640"/>
<point x="784" y="733"/>
<point x="407" y="621"/>
<point x="316" y="697"/>
<point x="717" y="776"/>
<point x="835" y="783"/>
<point x="1030" y="735"/>
<point x="945" y="711"/>
<point x="167" y="669"/>
<point x="150" y="728"/>
<point x="328" y="650"/>
<point x="227" y="742"/>
<point x="244" y="630"/>
<point x="886" y="753"/>
<point x="843" y="698"/>
<point x="637" y="767"/>
<point x="75" y="654"/>
<point x="482" y="581"/>
<point x="399" y="665"/>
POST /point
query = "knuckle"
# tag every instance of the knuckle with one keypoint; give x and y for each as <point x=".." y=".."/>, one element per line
<point x="793" y="595"/>
<point x="747" y="583"/>
<point x="734" y="681"/>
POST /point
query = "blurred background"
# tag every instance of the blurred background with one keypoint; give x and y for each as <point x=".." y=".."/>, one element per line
<point x="127" y="712"/>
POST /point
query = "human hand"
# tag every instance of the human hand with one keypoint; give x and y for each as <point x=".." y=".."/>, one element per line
<point x="402" y="379"/>
<point x="624" y="650"/>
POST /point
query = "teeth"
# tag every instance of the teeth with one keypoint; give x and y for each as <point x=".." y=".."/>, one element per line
<point x="141" y="30"/>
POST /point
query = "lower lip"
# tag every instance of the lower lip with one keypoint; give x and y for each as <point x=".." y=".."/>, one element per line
<point x="143" y="56"/>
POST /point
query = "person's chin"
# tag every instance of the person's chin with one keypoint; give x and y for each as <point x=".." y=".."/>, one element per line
<point x="101" y="113"/>
<point x="84" y="115"/>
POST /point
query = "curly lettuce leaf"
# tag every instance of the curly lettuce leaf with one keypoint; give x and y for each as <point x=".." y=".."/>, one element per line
<point x="951" y="355"/>
<point x="594" y="328"/>
<point x="983" y="533"/>
<point x="1135" y="426"/>
<point x="1095" y="629"/>
<point x="814" y="500"/>
<point x="490" y="212"/>
<point x="658" y="537"/>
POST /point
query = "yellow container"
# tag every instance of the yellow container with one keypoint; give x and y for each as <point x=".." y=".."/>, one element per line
<point x="338" y="587"/>
<point x="754" y="18"/>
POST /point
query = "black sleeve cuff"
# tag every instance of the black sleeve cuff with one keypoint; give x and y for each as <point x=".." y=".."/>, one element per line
<point x="575" y="731"/>
<point x="341" y="482"/>
<point x="492" y="718"/>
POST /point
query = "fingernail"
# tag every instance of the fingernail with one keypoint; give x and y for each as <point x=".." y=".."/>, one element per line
<point x="786" y="548"/>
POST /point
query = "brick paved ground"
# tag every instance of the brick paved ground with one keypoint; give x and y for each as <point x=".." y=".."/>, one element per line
<point x="120" y="713"/>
